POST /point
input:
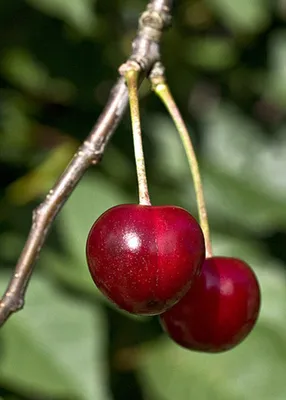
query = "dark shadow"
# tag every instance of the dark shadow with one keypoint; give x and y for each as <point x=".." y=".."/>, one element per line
<point x="275" y="243"/>
<point x="7" y="392"/>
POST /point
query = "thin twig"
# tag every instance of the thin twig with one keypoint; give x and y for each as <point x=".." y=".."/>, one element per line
<point x="145" y="52"/>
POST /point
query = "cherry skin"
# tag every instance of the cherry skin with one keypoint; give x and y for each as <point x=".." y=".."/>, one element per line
<point x="144" y="258"/>
<point x="219" y="310"/>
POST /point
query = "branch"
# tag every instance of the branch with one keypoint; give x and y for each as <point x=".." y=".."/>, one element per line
<point x="145" y="52"/>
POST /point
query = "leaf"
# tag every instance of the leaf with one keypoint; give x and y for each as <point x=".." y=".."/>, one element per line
<point x="25" y="71"/>
<point x="243" y="15"/>
<point x="55" y="345"/>
<point x="275" y="88"/>
<point x="256" y="368"/>
<point x="243" y="171"/>
<point x="14" y="118"/>
<point x="65" y="269"/>
<point x="212" y="53"/>
<point x="243" y="204"/>
<point x="40" y="179"/>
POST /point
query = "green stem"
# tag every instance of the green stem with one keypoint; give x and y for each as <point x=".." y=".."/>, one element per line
<point x="162" y="90"/>
<point x="131" y="77"/>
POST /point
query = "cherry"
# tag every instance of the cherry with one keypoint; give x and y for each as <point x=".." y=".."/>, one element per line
<point x="219" y="310"/>
<point x="144" y="258"/>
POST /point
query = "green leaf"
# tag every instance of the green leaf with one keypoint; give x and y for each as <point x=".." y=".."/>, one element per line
<point x="242" y="15"/>
<point x="243" y="171"/>
<point x="212" y="53"/>
<point x="55" y="345"/>
<point x="254" y="369"/>
<point x="275" y="88"/>
<point x="14" y="118"/>
<point x="243" y="204"/>
<point x="24" y="71"/>
<point x="68" y="271"/>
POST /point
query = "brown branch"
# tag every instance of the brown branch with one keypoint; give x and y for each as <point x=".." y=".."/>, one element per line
<point x="145" y="52"/>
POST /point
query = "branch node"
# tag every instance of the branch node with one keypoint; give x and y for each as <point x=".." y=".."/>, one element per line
<point x="129" y="65"/>
<point x="157" y="74"/>
<point x="152" y="23"/>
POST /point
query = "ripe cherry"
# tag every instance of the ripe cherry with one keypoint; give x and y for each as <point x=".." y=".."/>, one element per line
<point x="219" y="310"/>
<point x="144" y="258"/>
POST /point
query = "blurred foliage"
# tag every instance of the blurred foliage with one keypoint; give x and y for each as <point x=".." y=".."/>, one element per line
<point x="226" y="65"/>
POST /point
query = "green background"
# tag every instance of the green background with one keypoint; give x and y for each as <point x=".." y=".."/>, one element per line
<point x="226" y="65"/>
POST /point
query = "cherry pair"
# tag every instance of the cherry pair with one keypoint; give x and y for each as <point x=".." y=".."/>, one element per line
<point x="151" y="260"/>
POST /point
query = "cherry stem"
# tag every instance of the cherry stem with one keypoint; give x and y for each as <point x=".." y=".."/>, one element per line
<point x="161" y="88"/>
<point x="131" y="77"/>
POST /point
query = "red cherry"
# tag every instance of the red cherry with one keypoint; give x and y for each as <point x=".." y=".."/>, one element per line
<point x="144" y="258"/>
<point x="219" y="310"/>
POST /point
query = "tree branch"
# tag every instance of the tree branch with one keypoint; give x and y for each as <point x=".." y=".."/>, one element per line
<point x="145" y="52"/>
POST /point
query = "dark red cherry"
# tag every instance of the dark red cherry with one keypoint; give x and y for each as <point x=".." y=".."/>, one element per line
<point x="144" y="258"/>
<point x="219" y="310"/>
